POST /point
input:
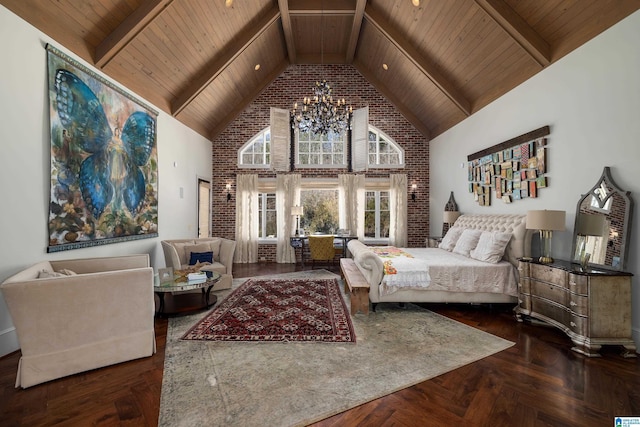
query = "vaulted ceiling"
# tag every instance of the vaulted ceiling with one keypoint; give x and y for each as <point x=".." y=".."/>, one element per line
<point x="203" y="61"/>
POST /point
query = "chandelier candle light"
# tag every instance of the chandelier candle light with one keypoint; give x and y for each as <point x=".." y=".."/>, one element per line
<point x="320" y="114"/>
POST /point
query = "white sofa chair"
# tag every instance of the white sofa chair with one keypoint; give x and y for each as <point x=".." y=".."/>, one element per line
<point x="177" y="254"/>
<point x="101" y="312"/>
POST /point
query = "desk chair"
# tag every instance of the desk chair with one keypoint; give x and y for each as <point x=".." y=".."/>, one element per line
<point x="321" y="249"/>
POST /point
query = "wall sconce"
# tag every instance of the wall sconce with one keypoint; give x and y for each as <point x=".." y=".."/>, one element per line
<point x="413" y="191"/>
<point x="546" y="222"/>
<point x="228" y="192"/>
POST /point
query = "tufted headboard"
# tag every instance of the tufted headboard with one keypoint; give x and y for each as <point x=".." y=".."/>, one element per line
<point x="520" y="243"/>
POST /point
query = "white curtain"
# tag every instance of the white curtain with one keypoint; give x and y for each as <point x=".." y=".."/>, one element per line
<point x="246" y="219"/>
<point x="287" y="195"/>
<point x="351" y="202"/>
<point x="398" y="207"/>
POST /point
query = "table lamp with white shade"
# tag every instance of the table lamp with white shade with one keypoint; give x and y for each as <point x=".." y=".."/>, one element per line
<point x="297" y="212"/>
<point x="450" y="217"/>
<point x="546" y="222"/>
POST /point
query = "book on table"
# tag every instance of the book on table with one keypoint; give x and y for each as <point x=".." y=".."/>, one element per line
<point x="197" y="277"/>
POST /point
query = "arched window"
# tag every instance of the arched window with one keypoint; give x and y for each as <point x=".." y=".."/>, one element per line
<point x="323" y="150"/>
<point x="383" y="151"/>
<point x="256" y="153"/>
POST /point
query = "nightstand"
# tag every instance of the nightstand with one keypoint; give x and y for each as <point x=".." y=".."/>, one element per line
<point x="432" y="242"/>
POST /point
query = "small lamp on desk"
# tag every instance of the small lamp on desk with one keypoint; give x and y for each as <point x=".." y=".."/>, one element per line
<point x="546" y="222"/>
<point x="297" y="211"/>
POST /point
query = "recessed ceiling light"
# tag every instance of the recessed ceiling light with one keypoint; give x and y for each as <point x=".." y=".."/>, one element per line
<point x="229" y="3"/>
<point x="257" y="67"/>
<point x="385" y="66"/>
<point x="416" y="3"/>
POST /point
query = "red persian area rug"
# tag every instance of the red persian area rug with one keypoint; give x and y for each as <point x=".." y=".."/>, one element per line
<point x="279" y="310"/>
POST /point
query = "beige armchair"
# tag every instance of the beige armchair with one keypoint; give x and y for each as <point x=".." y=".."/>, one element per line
<point x="177" y="254"/>
<point x="76" y="315"/>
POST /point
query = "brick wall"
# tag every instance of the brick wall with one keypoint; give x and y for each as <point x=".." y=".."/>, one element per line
<point x="291" y="86"/>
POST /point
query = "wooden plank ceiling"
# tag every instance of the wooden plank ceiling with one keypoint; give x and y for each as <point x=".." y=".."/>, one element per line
<point x="437" y="62"/>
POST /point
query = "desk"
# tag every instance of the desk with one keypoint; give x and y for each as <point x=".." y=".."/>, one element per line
<point x="302" y="243"/>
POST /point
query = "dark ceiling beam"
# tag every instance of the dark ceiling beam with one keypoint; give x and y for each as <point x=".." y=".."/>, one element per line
<point x="320" y="7"/>
<point x="240" y="107"/>
<point x="518" y="30"/>
<point x="211" y="71"/>
<point x="128" y="30"/>
<point x="412" y="54"/>
<point x="355" y="30"/>
<point x="283" y="5"/>
<point x="391" y="97"/>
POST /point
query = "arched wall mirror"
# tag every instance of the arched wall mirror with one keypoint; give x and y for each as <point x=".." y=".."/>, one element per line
<point x="603" y="225"/>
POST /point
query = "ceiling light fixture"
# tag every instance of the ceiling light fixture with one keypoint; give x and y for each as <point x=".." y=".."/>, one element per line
<point x="416" y="3"/>
<point x="320" y="114"/>
<point x="228" y="3"/>
<point x="385" y="66"/>
<point x="257" y="67"/>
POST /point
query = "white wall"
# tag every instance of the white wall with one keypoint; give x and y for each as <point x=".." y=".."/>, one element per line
<point x="24" y="174"/>
<point x="591" y="100"/>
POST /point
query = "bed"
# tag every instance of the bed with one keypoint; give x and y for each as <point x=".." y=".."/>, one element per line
<point x="440" y="275"/>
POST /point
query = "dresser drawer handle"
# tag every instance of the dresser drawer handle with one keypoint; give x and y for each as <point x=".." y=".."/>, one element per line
<point x="571" y="303"/>
<point x="572" y="283"/>
<point x="573" y="325"/>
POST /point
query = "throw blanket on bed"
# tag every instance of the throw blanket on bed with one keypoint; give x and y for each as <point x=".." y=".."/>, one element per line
<point x="401" y="270"/>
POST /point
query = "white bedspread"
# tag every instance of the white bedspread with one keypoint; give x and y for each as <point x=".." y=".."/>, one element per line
<point x="437" y="269"/>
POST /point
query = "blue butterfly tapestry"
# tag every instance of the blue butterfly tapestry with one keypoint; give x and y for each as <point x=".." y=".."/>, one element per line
<point x="104" y="171"/>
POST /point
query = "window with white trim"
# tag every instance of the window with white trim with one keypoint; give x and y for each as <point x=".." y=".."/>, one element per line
<point x="268" y="216"/>
<point x="257" y="151"/>
<point x="383" y="151"/>
<point x="319" y="198"/>
<point x="321" y="150"/>
<point x="314" y="150"/>
<point x="377" y="216"/>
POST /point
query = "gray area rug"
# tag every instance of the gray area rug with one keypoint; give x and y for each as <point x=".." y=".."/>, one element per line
<point x="293" y="384"/>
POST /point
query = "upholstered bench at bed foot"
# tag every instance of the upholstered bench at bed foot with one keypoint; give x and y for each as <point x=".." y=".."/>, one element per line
<point x="356" y="285"/>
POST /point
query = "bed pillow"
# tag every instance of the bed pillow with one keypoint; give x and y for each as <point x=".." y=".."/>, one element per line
<point x="449" y="240"/>
<point x="467" y="242"/>
<point x="491" y="246"/>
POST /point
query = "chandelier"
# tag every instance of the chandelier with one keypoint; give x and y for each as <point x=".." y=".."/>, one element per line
<point x="320" y="114"/>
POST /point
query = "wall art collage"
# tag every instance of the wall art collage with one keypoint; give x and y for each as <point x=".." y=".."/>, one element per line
<point x="512" y="173"/>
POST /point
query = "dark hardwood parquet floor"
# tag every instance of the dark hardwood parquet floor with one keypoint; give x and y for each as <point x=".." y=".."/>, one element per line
<point x="537" y="382"/>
